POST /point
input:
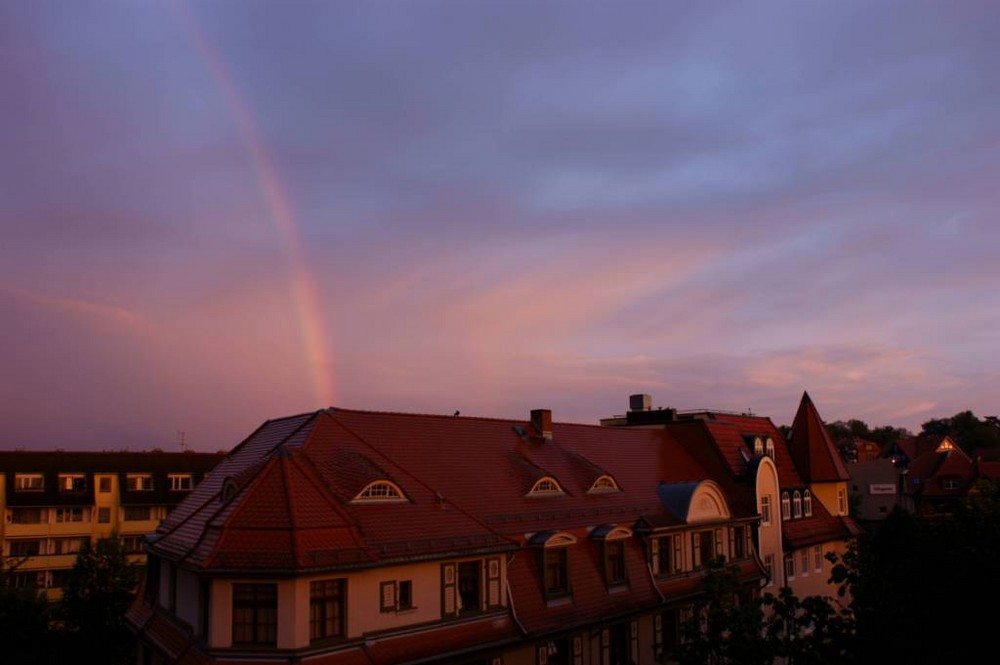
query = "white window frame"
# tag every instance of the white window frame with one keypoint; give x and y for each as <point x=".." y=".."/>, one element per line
<point x="818" y="558"/>
<point x="139" y="482"/>
<point x="180" y="482"/>
<point x="796" y="504"/>
<point x="842" y="502"/>
<point x="807" y="503"/>
<point x="765" y="510"/>
<point x="26" y="482"/>
<point x="66" y="482"/>
<point x="786" y="507"/>
<point x="769" y="565"/>
<point x="789" y="567"/>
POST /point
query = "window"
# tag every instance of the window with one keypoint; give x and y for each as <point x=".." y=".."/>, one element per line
<point x="72" y="482"/>
<point x="603" y="485"/>
<point x="818" y="558"/>
<point x="380" y="491"/>
<point x="614" y="562"/>
<point x="804" y="561"/>
<point x="104" y="515"/>
<point x="769" y="566"/>
<point x="29" y="515"/>
<point x="133" y="544"/>
<point x="396" y="596"/>
<point x="326" y="609"/>
<point x="738" y="542"/>
<point x="758" y="446"/>
<point x="31" y="579"/>
<point x="470" y="586"/>
<point x="135" y="513"/>
<point x="104" y="484"/>
<point x="769" y="448"/>
<point x="807" y="503"/>
<point x="668" y="555"/>
<point x="786" y="507"/>
<point x="703" y="547"/>
<point x="70" y="515"/>
<point x="797" y="505"/>
<point x="180" y="482"/>
<point x="69" y="545"/>
<point x="765" y="510"/>
<point x="789" y="566"/>
<point x="556" y="568"/>
<point x="139" y="482"/>
<point x="29" y="482"/>
<point x="255" y="613"/>
<point x="841" y="502"/>
<point x="949" y="484"/>
<point x="546" y="487"/>
<point x="19" y="548"/>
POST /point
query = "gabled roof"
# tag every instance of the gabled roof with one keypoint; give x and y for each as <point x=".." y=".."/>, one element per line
<point x="812" y="449"/>
<point x="926" y="473"/>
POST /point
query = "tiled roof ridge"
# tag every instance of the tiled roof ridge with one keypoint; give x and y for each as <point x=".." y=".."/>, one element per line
<point x="283" y="461"/>
<point x="305" y="464"/>
<point x="495" y="419"/>
<point x="364" y="442"/>
<point x="295" y="431"/>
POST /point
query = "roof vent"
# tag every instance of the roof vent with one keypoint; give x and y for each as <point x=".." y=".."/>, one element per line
<point x="541" y="420"/>
<point x="640" y="402"/>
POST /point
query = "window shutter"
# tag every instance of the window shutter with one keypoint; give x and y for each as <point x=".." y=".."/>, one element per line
<point x="449" y="605"/>
<point x="654" y="557"/>
<point x="493" y="582"/>
<point x="388" y="596"/>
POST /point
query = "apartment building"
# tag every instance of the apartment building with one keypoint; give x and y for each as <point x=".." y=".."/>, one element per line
<point x="53" y="502"/>
<point x="345" y="536"/>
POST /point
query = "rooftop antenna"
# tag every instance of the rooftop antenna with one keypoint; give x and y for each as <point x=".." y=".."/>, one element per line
<point x="182" y="440"/>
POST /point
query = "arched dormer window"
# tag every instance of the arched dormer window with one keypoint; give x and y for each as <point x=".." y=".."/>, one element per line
<point x="758" y="446"/>
<point x="228" y="490"/>
<point x="796" y="504"/>
<point x="786" y="506"/>
<point x="380" y="491"/>
<point x="554" y="557"/>
<point x="547" y="486"/>
<point x="604" y="485"/>
<point x="807" y="503"/>
<point x="769" y="447"/>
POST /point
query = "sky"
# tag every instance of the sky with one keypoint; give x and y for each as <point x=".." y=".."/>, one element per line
<point x="216" y="213"/>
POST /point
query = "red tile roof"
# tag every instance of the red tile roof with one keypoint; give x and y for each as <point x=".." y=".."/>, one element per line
<point x="812" y="449"/>
<point x="822" y="527"/>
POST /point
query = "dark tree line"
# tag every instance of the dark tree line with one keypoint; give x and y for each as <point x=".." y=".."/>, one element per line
<point x="89" y="620"/>
<point x="910" y="591"/>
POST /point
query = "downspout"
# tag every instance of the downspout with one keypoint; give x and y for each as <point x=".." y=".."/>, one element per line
<point x="510" y="596"/>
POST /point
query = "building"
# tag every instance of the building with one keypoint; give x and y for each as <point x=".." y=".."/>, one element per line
<point x="343" y="536"/>
<point x="937" y="479"/>
<point x="875" y="484"/>
<point x="54" y="501"/>
<point x="798" y="487"/>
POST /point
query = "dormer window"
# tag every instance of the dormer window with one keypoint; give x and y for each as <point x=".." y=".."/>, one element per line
<point x="797" y="504"/>
<point x="72" y="482"/>
<point x="29" y="482"/>
<point x="139" y="482"/>
<point x="807" y="503"/>
<point x="604" y="485"/>
<point x="380" y="491"/>
<point x="769" y="448"/>
<point x="758" y="446"/>
<point x="547" y="486"/>
<point x="786" y="507"/>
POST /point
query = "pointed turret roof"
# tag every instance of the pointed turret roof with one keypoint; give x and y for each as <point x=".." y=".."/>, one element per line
<point x="812" y="448"/>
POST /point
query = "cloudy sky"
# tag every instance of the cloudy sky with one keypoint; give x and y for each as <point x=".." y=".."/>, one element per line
<point x="215" y="213"/>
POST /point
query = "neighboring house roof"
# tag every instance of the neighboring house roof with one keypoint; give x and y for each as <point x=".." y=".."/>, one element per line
<point x="816" y="458"/>
<point x="929" y="474"/>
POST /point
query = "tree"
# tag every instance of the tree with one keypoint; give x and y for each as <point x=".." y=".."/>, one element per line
<point x="25" y="630"/>
<point x="101" y="587"/>
<point x="968" y="431"/>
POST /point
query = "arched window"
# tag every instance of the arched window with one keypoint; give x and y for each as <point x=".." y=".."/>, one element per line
<point x="807" y="503"/>
<point x="603" y="485"/>
<point x="786" y="507"/>
<point x="547" y="486"/>
<point x="796" y="505"/>
<point x="228" y="490"/>
<point x="380" y="491"/>
<point x="758" y="446"/>
<point x="769" y="448"/>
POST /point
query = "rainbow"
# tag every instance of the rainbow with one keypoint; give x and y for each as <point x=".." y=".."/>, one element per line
<point x="304" y="291"/>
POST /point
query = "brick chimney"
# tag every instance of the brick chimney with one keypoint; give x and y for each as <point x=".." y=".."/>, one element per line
<point x="541" y="420"/>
